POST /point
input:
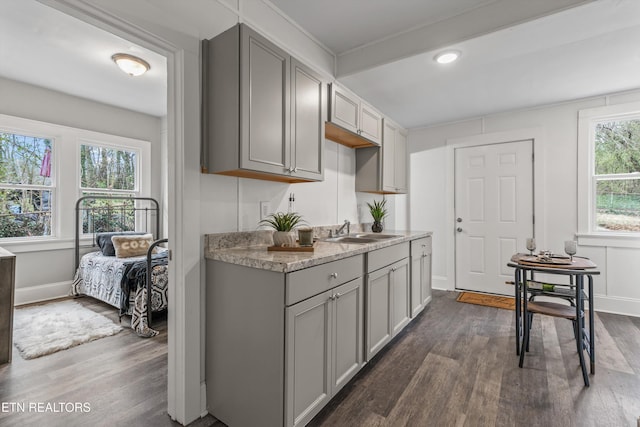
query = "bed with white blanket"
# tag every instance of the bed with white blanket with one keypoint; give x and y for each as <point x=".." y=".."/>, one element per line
<point x="129" y="271"/>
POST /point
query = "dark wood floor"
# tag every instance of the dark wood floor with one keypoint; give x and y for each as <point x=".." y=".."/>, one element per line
<point x="123" y="378"/>
<point x="454" y="366"/>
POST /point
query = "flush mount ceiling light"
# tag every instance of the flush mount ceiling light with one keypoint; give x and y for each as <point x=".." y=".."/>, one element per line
<point x="130" y="64"/>
<point x="447" y="56"/>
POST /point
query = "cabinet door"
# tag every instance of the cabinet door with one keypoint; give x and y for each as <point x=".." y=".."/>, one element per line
<point x="370" y="123"/>
<point x="400" y="296"/>
<point x="425" y="279"/>
<point x="308" y="107"/>
<point x="400" y="160"/>
<point x="345" y="109"/>
<point x="417" y="300"/>
<point x="348" y="317"/>
<point x="378" y="326"/>
<point x="388" y="157"/>
<point x="308" y="353"/>
<point x="264" y="92"/>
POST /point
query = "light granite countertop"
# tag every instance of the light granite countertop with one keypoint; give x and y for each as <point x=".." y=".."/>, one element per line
<point x="250" y="249"/>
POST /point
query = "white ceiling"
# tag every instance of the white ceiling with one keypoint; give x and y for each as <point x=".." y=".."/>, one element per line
<point x="590" y="49"/>
<point x="344" y="25"/>
<point x="515" y="53"/>
<point x="44" y="47"/>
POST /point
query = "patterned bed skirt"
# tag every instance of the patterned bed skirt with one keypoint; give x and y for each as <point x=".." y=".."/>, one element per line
<point x="101" y="277"/>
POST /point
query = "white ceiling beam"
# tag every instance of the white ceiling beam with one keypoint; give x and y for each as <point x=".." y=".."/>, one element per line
<point x="497" y="15"/>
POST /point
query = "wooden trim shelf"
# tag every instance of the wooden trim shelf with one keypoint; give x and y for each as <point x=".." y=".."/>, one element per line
<point x="348" y="139"/>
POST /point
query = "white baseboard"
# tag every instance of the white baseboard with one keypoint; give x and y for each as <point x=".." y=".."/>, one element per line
<point x="441" y="283"/>
<point x="617" y="305"/>
<point x="203" y="400"/>
<point x="39" y="293"/>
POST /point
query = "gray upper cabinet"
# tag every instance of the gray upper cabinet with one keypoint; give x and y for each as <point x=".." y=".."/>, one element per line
<point x="351" y="113"/>
<point x="394" y="158"/>
<point x="345" y="109"/>
<point x="254" y="124"/>
<point x="384" y="170"/>
<point x="308" y="114"/>
<point x="370" y="123"/>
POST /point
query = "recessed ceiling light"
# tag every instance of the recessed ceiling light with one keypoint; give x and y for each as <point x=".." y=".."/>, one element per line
<point x="130" y="64"/>
<point x="447" y="56"/>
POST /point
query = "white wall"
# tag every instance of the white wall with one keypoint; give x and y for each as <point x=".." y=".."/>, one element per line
<point x="200" y="204"/>
<point x="43" y="274"/>
<point x="557" y="146"/>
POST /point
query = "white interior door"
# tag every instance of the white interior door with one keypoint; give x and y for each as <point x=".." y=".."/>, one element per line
<point x="494" y="212"/>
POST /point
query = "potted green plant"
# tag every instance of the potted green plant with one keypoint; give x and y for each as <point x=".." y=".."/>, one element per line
<point x="284" y="225"/>
<point x="378" y="211"/>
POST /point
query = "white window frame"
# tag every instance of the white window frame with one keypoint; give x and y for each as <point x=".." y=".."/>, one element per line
<point x="53" y="187"/>
<point x="587" y="121"/>
<point x="134" y="192"/>
<point x="66" y="176"/>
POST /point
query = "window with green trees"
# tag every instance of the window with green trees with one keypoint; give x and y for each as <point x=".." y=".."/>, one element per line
<point x="107" y="170"/>
<point x="617" y="175"/>
<point x="27" y="190"/>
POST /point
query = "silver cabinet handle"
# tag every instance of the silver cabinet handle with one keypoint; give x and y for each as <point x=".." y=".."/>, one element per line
<point x="295" y="169"/>
<point x="459" y="219"/>
<point x="459" y="229"/>
<point x="333" y="275"/>
<point x="332" y="297"/>
<point x="338" y="295"/>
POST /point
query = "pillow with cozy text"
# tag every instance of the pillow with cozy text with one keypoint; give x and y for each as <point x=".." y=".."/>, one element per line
<point x="130" y="246"/>
<point x="103" y="240"/>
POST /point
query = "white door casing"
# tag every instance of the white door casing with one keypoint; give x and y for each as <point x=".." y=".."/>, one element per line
<point x="493" y="212"/>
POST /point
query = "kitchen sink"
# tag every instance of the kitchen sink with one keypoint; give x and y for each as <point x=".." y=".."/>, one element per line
<point x="349" y="239"/>
<point x="375" y="236"/>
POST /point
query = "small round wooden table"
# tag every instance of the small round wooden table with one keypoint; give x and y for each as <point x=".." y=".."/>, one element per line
<point x="526" y="265"/>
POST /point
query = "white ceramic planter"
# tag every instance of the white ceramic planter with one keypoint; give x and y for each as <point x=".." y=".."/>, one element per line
<point x="284" y="238"/>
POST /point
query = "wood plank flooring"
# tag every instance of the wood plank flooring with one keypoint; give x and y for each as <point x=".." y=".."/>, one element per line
<point x="456" y="366"/>
<point x="453" y="366"/>
<point x="123" y="378"/>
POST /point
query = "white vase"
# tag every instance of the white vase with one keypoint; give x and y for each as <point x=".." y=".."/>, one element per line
<point x="284" y="238"/>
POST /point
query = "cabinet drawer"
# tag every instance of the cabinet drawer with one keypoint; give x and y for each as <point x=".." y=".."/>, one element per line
<point x="421" y="247"/>
<point x="311" y="281"/>
<point x="385" y="256"/>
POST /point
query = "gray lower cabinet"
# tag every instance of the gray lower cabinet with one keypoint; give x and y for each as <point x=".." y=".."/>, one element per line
<point x="388" y="293"/>
<point x="263" y="112"/>
<point x="279" y="346"/>
<point x="420" y="274"/>
<point x="7" y="289"/>
<point x="324" y="349"/>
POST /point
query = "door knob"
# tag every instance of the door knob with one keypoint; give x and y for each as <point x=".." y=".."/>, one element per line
<point x="459" y="219"/>
<point x="459" y="229"/>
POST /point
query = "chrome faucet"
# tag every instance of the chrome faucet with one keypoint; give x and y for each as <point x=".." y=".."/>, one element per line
<point x="341" y="229"/>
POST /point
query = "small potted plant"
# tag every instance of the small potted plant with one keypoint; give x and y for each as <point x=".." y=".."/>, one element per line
<point x="284" y="225"/>
<point x="378" y="212"/>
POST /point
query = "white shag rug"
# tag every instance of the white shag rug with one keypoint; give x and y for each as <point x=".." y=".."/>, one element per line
<point x="45" y="329"/>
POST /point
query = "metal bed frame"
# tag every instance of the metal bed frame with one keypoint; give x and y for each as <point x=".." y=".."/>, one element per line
<point x="148" y="212"/>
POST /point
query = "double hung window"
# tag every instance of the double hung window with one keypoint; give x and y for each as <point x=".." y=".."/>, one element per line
<point x="609" y="173"/>
<point x="616" y="175"/>
<point x="110" y="171"/>
<point x="27" y="187"/>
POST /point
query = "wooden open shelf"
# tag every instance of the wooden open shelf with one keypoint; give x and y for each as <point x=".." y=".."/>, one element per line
<point x="345" y="137"/>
